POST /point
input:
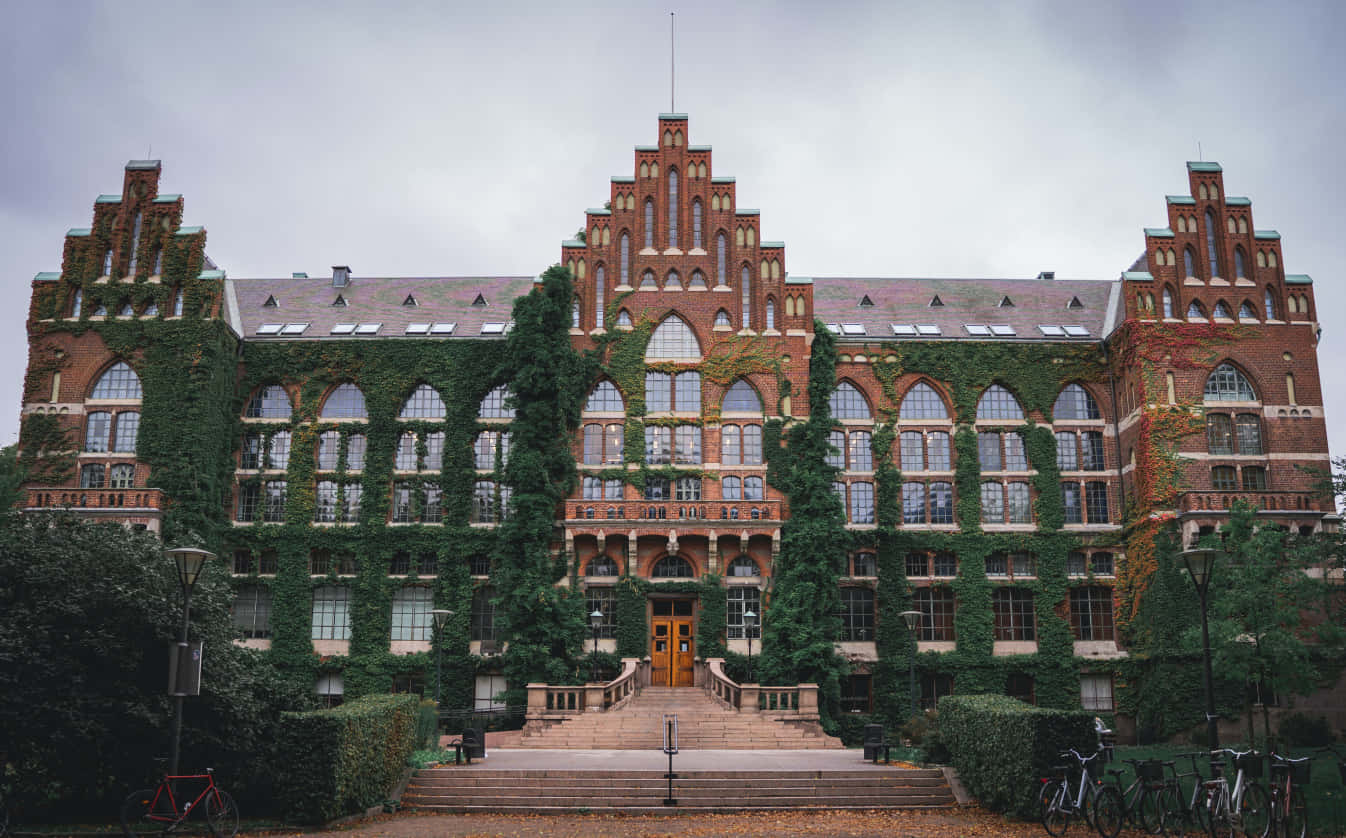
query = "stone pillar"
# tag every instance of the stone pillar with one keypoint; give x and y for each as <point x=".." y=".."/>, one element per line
<point x="593" y="697"/>
<point x="748" y="694"/>
<point x="808" y="700"/>
<point x="537" y="700"/>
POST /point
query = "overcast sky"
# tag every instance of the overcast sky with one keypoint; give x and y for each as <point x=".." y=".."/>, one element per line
<point x="878" y="139"/>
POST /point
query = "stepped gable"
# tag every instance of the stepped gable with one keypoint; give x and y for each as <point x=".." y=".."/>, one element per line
<point x="374" y="300"/>
<point x="875" y="304"/>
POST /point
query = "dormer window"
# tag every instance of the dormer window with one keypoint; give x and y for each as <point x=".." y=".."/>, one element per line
<point x="410" y="301"/>
<point x="479" y="301"/>
<point x="866" y="302"/>
<point x="270" y="302"/>
<point x="1075" y="303"/>
<point x="339" y="302"/>
<point x="936" y="302"/>
<point x="1006" y="302"/>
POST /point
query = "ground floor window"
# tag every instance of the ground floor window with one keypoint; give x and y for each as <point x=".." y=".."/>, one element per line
<point x="409" y="682"/>
<point x="483" y="614"/>
<point x="857" y="614"/>
<point x="487" y="694"/>
<point x="252" y="611"/>
<point x="740" y="600"/>
<point x="330" y="689"/>
<point x="604" y="601"/>
<point x="1020" y="686"/>
<point x="856" y="694"/>
<point x="1096" y="693"/>
<point x="934" y="686"/>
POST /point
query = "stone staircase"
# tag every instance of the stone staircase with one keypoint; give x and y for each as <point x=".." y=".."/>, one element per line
<point x="464" y="789"/>
<point x="703" y="724"/>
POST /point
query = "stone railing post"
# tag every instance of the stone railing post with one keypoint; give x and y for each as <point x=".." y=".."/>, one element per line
<point x="537" y="701"/>
<point x="593" y="697"/>
<point x="748" y="698"/>
<point x="808" y="700"/>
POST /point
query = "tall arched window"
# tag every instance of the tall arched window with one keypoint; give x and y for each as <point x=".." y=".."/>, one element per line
<point x="423" y="403"/>
<point x="1227" y="384"/>
<point x="649" y="222"/>
<point x="493" y="405"/>
<point x="135" y="245"/>
<point x="672" y="208"/>
<point x="345" y="402"/>
<point x="922" y="402"/>
<point x="1168" y="302"/>
<point x="741" y="398"/>
<point x="847" y="402"/>
<point x="696" y="223"/>
<point x="1189" y="261"/>
<point x="673" y="338"/>
<point x="575" y="313"/>
<point x="721" y="257"/>
<point x="999" y="403"/>
<point x="600" y="278"/>
<point x="1269" y="304"/>
<point x="1075" y="402"/>
<point x="77" y="302"/>
<point x="107" y="262"/>
<point x="119" y="382"/>
<point x="626" y="259"/>
<point x="672" y="567"/>
<point x="1211" y="251"/>
<point x="746" y="280"/>
<point x="270" y="402"/>
<point x="604" y="398"/>
<point x="1240" y="270"/>
<point x="770" y="313"/>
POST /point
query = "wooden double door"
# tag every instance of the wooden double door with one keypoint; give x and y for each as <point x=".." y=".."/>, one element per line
<point x="672" y="643"/>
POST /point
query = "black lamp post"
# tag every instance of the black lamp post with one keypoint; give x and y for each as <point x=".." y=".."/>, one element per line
<point x="595" y="621"/>
<point x="913" y="621"/>
<point x="189" y="561"/>
<point x="749" y="623"/>
<point x="1200" y="564"/>
<point x="441" y="616"/>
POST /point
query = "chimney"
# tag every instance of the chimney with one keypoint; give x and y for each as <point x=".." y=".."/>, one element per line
<point x="341" y="276"/>
<point x="1046" y="274"/>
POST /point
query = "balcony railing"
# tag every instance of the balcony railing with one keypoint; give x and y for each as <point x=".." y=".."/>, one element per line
<point x="1265" y="501"/>
<point x="43" y="497"/>
<point x="658" y="510"/>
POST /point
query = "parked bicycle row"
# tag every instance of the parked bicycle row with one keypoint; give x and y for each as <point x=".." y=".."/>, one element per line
<point x="1226" y="793"/>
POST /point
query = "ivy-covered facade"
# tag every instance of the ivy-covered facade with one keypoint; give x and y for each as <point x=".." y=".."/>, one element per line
<point x="995" y="454"/>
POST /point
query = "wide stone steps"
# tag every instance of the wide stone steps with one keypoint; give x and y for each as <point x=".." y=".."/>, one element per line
<point x="471" y="789"/>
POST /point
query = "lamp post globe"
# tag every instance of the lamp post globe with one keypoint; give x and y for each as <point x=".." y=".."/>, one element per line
<point x="595" y="623"/>
<point x="749" y="623"/>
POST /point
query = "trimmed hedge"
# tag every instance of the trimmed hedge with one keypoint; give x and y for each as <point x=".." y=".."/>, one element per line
<point x="1003" y="747"/>
<point x="346" y="759"/>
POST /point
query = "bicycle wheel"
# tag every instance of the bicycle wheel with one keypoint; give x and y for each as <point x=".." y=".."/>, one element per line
<point x="142" y="813"/>
<point x="1255" y="812"/>
<point x="1109" y="810"/>
<point x="1055" y="816"/>
<point x="1173" y="820"/>
<point x="1297" y="817"/>
<point x="222" y="814"/>
<point x="1149" y="813"/>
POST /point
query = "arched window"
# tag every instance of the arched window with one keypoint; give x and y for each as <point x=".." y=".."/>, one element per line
<point x="177" y="303"/>
<point x="135" y="244"/>
<point x="345" y="402"/>
<point x="742" y="567"/>
<point x="600" y="279"/>
<point x="1189" y="261"/>
<point x="1246" y="311"/>
<point x="1269" y="303"/>
<point x="1239" y="267"/>
<point x="1261" y="258"/>
<point x="746" y="280"/>
<point x="1212" y="252"/>
<point x="673" y="339"/>
<point x="848" y="403"/>
<point x="76" y="302"/>
<point x="119" y="382"/>
<point x="107" y="262"/>
<point x="126" y="310"/>
<point x="270" y="402"/>
<point x="722" y="319"/>
<point x="721" y="257"/>
<point x="672" y="282"/>
<point x="575" y="313"/>
<point x="1227" y="384"/>
<point x="922" y="402"/>
<point x="493" y="406"/>
<point x="626" y="259"/>
<point x="698" y="280"/>
<point x="1075" y="402"/>
<point x="605" y="398"/>
<point x="1222" y="310"/>
<point x="602" y="565"/>
<point x="672" y="208"/>
<point x="999" y="403"/>
<point x="770" y="313"/>
<point x="1168" y="302"/>
<point x="624" y="319"/>
<point x="696" y="223"/>
<point x="647" y="282"/>
<point x="671" y="567"/>
<point x="741" y="398"/>
<point x="649" y="222"/>
<point x="423" y="403"/>
<point x="1195" y="311"/>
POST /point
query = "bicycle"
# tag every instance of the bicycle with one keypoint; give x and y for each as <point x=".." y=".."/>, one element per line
<point x="159" y="809"/>
<point x="1180" y="811"/>
<point x="1289" y="812"/>
<point x="1140" y="800"/>
<point x="1241" y="810"/>
<point x="1059" y="805"/>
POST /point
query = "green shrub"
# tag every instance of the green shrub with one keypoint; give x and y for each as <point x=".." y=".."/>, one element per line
<point x="1002" y="747"/>
<point x="1300" y="730"/>
<point x="344" y="760"/>
<point x="427" y="724"/>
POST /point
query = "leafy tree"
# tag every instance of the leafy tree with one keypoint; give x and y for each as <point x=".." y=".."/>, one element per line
<point x="11" y="476"/>
<point x="87" y="614"/>
<point x="801" y="624"/>
<point x="543" y="624"/>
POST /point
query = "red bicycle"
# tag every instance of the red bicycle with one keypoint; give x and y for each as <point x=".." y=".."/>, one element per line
<point x="166" y="806"/>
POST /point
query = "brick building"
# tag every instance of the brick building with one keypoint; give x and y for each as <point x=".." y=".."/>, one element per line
<point x="283" y="415"/>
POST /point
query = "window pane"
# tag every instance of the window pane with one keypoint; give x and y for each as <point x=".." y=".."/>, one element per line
<point x="593" y="446"/>
<point x="913" y="503"/>
<point x="864" y="564"/>
<point x="1254" y="479"/>
<point x="836" y="455"/>
<point x="119" y="382"/>
<point x="275" y="502"/>
<point x="998" y="403"/>
<point x="280" y="450"/>
<point x="687" y="388"/>
<point x="269" y="403"/>
<point x="424" y="403"/>
<point x="741" y="398"/>
<point x="406" y="453"/>
<point x="658" y="391"/>
<point x="988" y="451"/>
<point x="91" y="476"/>
<point x="941" y="503"/>
<point x="936" y="605"/>
<point x="937" y="451"/>
<point x="605" y="398"/>
<point x="1249" y="434"/>
<point x="1096" y="502"/>
<point x="731" y="488"/>
<point x="493" y="406"/>
<point x="741" y="599"/>
<point x="1070" y="499"/>
<point x="862" y="503"/>
<point x="922" y="402"/>
<point x="752" y="445"/>
<point x="328" y="442"/>
<point x="857" y="614"/>
<point x="345" y="402"/>
<point x="98" y="430"/>
<point x="752" y="488"/>
<point x="331" y="613"/>
<point x="848" y="403"/>
<point x="1020" y="507"/>
<point x="122" y="476"/>
<point x="614" y="441"/>
<point x="1067" y="454"/>
<point x="992" y="503"/>
<point x="411" y="614"/>
<point x="859" y="453"/>
<point x="1228" y="384"/>
<point x="1013" y="613"/>
<point x="1075" y="402"/>
<point x="1091" y="444"/>
<point x="1091" y="613"/>
<point x="946" y="565"/>
<point x="730" y="445"/>
<point x="355" y="452"/>
<point x="673" y="339"/>
<point x="1222" y="479"/>
<point x="658" y="445"/>
<point x="1015" y="459"/>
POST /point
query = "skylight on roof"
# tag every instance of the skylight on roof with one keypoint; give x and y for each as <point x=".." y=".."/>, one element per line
<point x="834" y="328"/>
<point x="852" y="329"/>
<point x="977" y="329"/>
<point x="1002" y="330"/>
<point x="492" y="328"/>
<point x="903" y="328"/>
<point x="1052" y="331"/>
<point x="368" y="328"/>
<point x="1077" y="331"/>
<point x="269" y="329"/>
<point x="294" y="328"/>
<point x="418" y="329"/>
<point x="343" y="328"/>
<point x="443" y="328"/>
<point x="928" y="329"/>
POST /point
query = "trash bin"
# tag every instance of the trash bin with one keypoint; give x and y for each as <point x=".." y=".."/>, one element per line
<point x="873" y="742"/>
<point x="474" y="742"/>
